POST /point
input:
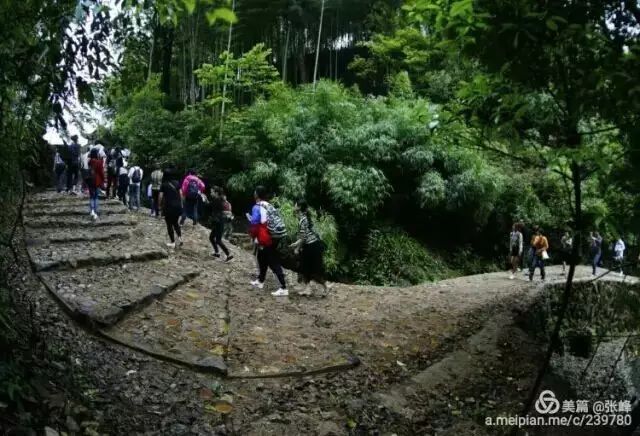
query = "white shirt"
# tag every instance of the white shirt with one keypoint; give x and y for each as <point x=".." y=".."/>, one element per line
<point x="84" y="161"/>
<point x="619" y="248"/>
<point x="131" y="171"/>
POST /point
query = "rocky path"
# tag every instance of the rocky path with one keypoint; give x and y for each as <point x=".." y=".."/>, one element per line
<point x="360" y="357"/>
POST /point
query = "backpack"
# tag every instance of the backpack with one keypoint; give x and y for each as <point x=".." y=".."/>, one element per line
<point x="193" y="191"/>
<point x="275" y="223"/>
<point x="135" y="177"/>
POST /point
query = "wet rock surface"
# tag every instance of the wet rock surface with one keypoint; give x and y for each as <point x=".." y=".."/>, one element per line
<point x="434" y="357"/>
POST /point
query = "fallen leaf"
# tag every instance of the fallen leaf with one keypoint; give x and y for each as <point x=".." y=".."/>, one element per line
<point x="220" y="407"/>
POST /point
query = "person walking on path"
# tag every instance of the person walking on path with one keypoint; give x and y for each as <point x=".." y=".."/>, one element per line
<point x="618" y="254"/>
<point x="135" y="178"/>
<point x="540" y="246"/>
<point x="515" y="248"/>
<point x="123" y="183"/>
<point x="228" y="217"/>
<point x="192" y="188"/>
<point x="156" y="183"/>
<point x="171" y="204"/>
<point x="73" y="164"/>
<point x="59" y="170"/>
<point x="311" y="250"/>
<point x="85" y="170"/>
<point x="112" y="173"/>
<point x="267" y="245"/>
<point x="566" y="243"/>
<point x="217" y="223"/>
<point x="596" y="250"/>
<point x="95" y="181"/>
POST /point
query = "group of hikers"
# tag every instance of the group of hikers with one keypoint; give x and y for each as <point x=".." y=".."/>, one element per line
<point x="176" y="198"/>
<point x="537" y="252"/>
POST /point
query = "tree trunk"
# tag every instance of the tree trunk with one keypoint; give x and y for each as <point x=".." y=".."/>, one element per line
<point x="167" y="52"/>
<point x="315" y="68"/>
<point x="226" y="65"/>
<point x="285" y="56"/>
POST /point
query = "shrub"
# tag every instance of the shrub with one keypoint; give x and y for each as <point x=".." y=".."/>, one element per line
<point x="391" y="257"/>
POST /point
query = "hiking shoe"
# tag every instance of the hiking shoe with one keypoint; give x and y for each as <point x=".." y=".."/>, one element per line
<point x="511" y="277"/>
<point x="180" y="242"/>
<point x="257" y="284"/>
<point x="280" y="293"/>
<point x="171" y="244"/>
<point x="216" y="255"/>
<point x="229" y="258"/>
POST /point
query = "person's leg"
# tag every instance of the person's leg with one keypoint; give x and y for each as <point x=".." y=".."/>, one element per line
<point x="541" y="265"/>
<point x="130" y="197"/>
<point x="274" y="264"/>
<point x="214" y="242"/>
<point x="155" y="196"/>
<point x="219" y="228"/>
<point x="168" y="219"/>
<point x="69" y="178"/>
<point x="136" y="197"/>
<point x="532" y="267"/>
<point x="176" y="226"/>
<point x="263" y="262"/>
<point x="195" y="212"/>
<point x="318" y="272"/>
<point x="185" y="212"/>
<point x="594" y="263"/>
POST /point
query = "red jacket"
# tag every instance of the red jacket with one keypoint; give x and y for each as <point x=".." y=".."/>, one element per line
<point x="98" y="169"/>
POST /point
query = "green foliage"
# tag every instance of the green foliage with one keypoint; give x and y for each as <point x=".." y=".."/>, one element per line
<point x="391" y="257"/>
<point x="356" y="192"/>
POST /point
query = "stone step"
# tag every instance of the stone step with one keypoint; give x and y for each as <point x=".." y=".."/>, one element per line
<point x="74" y="262"/>
<point x="43" y="236"/>
<point x="56" y="211"/>
<point x="104" y="295"/>
<point x="82" y="254"/>
<point x="199" y="339"/>
<point x="77" y="222"/>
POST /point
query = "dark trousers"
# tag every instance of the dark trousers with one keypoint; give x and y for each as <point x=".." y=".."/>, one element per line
<point x="155" y="201"/>
<point x="215" y="237"/>
<point x="311" y="263"/>
<point x="112" y="185"/>
<point x="536" y="262"/>
<point x="190" y="210"/>
<point x="72" y="176"/>
<point x="60" y="177"/>
<point x="595" y="261"/>
<point x="122" y="193"/>
<point x="268" y="258"/>
<point x="171" y="217"/>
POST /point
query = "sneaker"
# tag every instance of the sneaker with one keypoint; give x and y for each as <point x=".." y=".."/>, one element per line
<point x="280" y="293"/>
<point x="257" y="284"/>
<point x="229" y="257"/>
<point x="214" y="254"/>
<point x="511" y="277"/>
<point x="180" y="242"/>
<point x="171" y="244"/>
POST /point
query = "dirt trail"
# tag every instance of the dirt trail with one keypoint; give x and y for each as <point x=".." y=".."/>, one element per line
<point x="418" y="348"/>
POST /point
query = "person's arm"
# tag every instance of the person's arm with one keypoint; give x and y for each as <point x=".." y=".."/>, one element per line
<point x="520" y="243"/>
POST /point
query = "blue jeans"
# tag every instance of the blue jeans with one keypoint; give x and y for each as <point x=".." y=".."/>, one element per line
<point x="134" y="196"/>
<point x="596" y="260"/>
<point x="93" y="199"/>
<point x="536" y="262"/>
<point x="190" y="210"/>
